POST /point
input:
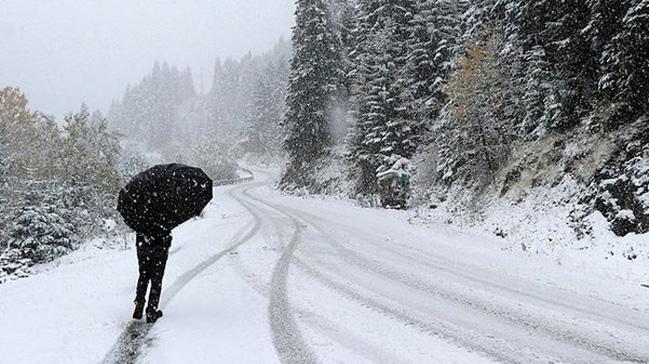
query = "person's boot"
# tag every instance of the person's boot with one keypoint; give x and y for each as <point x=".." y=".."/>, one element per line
<point x="139" y="309"/>
<point x="152" y="315"/>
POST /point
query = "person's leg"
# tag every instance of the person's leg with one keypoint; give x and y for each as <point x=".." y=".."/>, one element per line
<point x="143" y="277"/>
<point x="159" y="261"/>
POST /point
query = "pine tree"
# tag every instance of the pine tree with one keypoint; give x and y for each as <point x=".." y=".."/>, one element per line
<point x="217" y="96"/>
<point x="345" y="25"/>
<point x="571" y="52"/>
<point x="538" y="94"/>
<point x="605" y="22"/>
<point x="480" y="13"/>
<point x="263" y="130"/>
<point x="435" y="36"/>
<point x="230" y="98"/>
<point x="385" y="123"/>
<point x="313" y="86"/>
<point x="626" y="73"/>
<point x="422" y="73"/>
<point x="39" y="231"/>
<point x="557" y="49"/>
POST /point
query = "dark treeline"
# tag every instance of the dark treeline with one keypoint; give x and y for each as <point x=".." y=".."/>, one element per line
<point x="480" y="94"/>
<point x="242" y="109"/>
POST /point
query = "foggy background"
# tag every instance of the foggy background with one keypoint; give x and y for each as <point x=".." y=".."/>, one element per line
<point x="65" y="52"/>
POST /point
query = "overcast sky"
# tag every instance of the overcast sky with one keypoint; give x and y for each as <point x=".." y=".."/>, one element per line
<point x="64" y="52"/>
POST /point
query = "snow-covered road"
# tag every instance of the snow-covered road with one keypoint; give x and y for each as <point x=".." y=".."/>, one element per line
<point x="266" y="278"/>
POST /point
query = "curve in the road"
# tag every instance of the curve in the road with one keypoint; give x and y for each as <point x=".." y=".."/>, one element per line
<point x="546" y="324"/>
<point x="505" y="352"/>
<point x="400" y="315"/>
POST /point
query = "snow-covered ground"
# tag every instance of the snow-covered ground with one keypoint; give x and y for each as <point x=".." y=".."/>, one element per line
<point x="266" y="278"/>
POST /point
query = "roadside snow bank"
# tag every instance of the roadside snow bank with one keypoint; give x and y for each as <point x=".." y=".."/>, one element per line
<point x="550" y="224"/>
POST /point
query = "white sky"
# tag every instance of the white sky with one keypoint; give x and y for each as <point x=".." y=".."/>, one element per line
<point x="64" y="52"/>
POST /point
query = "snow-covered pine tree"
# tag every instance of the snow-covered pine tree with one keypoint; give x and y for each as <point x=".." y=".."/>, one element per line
<point x="263" y="131"/>
<point x="385" y="124"/>
<point x="626" y="71"/>
<point x="359" y="86"/>
<point x="40" y="231"/>
<point x="605" y="22"/>
<point x="435" y="34"/>
<point x="537" y="98"/>
<point x="477" y="14"/>
<point x="421" y="70"/>
<point x="251" y="68"/>
<point x="345" y="26"/>
<point x="342" y="14"/>
<point x="229" y="100"/>
<point x="569" y="52"/>
<point x="556" y="47"/>
<point x="216" y="97"/>
<point x="314" y="83"/>
<point x="526" y="37"/>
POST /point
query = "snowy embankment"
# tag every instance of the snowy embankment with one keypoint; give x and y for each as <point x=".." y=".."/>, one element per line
<point x="542" y="227"/>
<point x="266" y="278"/>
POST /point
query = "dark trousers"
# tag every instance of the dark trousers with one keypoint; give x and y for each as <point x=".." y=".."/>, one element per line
<point x="152" y="253"/>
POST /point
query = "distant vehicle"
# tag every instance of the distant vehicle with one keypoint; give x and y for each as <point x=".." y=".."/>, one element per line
<point x="394" y="183"/>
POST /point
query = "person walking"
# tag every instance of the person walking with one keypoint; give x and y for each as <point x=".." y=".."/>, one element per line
<point x="153" y="203"/>
<point x="152" y="254"/>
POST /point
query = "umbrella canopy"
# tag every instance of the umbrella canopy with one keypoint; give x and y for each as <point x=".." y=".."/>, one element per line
<point x="163" y="197"/>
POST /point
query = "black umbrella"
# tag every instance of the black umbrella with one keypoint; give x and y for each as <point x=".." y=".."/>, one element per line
<point x="163" y="197"/>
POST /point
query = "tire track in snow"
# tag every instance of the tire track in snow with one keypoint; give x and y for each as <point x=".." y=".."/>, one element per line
<point x="432" y="327"/>
<point x="608" y="349"/>
<point x="439" y="264"/>
<point x="283" y="334"/>
<point x="320" y="323"/>
<point x="130" y="342"/>
<point x="515" y="317"/>
<point x="287" y="338"/>
<point x="399" y="314"/>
